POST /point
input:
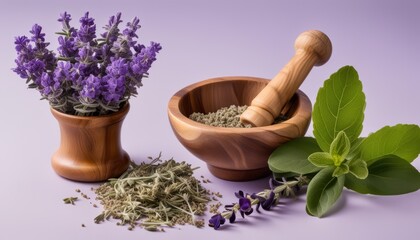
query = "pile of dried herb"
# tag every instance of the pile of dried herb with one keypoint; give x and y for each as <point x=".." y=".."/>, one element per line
<point x="154" y="195"/>
<point x="229" y="117"/>
<point x="223" y="117"/>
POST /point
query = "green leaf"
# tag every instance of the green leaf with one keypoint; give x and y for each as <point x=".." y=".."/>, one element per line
<point x="321" y="159"/>
<point x="341" y="170"/>
<point x="323" y="192"/>
<point x="387" y="176"/>
<point x="339" y="106"/>
<point x="293" y="156"/>
<point x="355" y="149"/>
<point x="339" y="148"/>
<point x="359" y="169"/>
<point x="402" y="140"/>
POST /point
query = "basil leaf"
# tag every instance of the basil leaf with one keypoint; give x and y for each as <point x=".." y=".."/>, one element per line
<point x="321" y="159"/>
<point x="341" y="170"/>
<point x="387" y="176"/>
<point x="402" y="140"/>
<point x="355" y="149"/>
<point x="339" y="106"/>
<point x="293" y="156"/>
<point x="323" y="192"/>
<point x="359" y="168"/>
<point x="339" y="148"/>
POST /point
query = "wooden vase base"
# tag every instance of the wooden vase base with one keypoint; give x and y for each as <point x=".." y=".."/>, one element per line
<point x="89" y="172"/>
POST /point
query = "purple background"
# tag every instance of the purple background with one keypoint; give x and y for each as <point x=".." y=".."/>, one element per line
<point x="203" y="39"/>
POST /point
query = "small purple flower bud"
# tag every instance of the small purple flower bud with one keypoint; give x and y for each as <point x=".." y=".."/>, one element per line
<point x="87" y="31"/>
<point x="232" y="218"/>
<point x="37" y="35"/>
<point x="64" y="17"/>
<point x="132" y="27"/>
<point x="67" y="46"/>
<point x="92" y="88"/>
<point x="245" y="204"/>
<point x="21" y="43"/>
<point x="47" y="84"/>
<point x="268" y="203"/>
<point x="112" y="31"/>
<point x="216" y="221"/>
<point x="118" y="67"/>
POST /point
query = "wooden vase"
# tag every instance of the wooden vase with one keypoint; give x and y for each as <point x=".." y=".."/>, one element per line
<point x="90" y="148"/>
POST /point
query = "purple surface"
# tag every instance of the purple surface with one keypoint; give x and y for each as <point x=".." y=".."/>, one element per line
<point x="202" y="40"/>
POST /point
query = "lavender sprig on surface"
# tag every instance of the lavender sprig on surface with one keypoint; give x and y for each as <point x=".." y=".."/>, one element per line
<point x="265" y="199"/>
<point x="90" y="75"/>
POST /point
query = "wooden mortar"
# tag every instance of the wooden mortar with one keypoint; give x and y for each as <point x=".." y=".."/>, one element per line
<point x="313" y="48"/>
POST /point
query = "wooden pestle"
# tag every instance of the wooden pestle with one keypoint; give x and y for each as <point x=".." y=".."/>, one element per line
<point x="313" y="48"/>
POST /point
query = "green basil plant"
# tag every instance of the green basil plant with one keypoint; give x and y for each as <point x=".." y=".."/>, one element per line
<point x="338" y="157"/>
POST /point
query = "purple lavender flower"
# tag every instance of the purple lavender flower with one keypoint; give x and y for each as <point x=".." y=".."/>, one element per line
<point x="121" y="47"/>
<point x="125" y="41"/>
<point x="141" y="64"/>
<point x="68" y="47"/>
<point x="118" y="67"/>
<point x="112" y="31"/>
<point x="20" y="69"/>
<point x="132" y="28"/>
<point x="25" y="54"/>
<point x="37" y="35"/>
<point x="79" y="70"/>
<point x="103" y="54"/>
<point x="33" y="61"/>
<point x="232" y="218"/>
<point x="265" y="203"/>
<point x="62" y="72"/>
<point x="143" y="60"/>
<point x="130" y="32"/>
<point x="65" y="20"/>
<point x="85" y="55"/>
<point x="266" y="199"/>
<point x="40" y="50"/>
<point x="114" y="90"/>
<point x="87" y="63"/>
<point x="22" y="43"/>
<point x="114" y="81"/>
<point x="36" y="68"/>
<point x="245" y="206"/>
<point x="90" y="76"/>
<point x="92" y="88"/>
<point x="87" y="31"/>
<point x="49" y="85"/>
<point x="216" y="221"/>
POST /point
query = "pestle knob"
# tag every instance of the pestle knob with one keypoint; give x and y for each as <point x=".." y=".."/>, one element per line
<point x="313" y="48"/>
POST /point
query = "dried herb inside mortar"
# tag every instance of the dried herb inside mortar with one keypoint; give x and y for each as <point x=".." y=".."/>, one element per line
<point x="152" y="195"/>
<point x="226" y="117"/>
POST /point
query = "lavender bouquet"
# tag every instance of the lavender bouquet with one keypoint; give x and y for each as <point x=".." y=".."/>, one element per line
<point x="90" y="76"/>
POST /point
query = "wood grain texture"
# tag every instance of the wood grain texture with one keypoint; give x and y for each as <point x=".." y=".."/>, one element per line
<point x="237" y="154"/>
<point x="90" y="148"/>
<point x="313" y="48"/>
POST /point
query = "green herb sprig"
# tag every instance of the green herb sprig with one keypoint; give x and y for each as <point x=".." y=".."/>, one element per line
<point x="338" y="157"/>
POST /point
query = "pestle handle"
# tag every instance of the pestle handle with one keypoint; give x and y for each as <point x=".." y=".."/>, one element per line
<point x="313" y="48"/>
